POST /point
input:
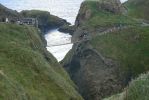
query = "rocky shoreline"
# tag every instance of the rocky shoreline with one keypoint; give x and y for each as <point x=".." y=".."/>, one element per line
<point x="46" y="21"/>
<point x="67" y="29"/>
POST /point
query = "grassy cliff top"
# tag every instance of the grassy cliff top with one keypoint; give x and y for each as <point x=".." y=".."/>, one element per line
<point x="43" y="16"/>
<point x="128" y="46"/>
<point x="101" y="17"/>
<point x="27" y="70"/>
<point x="46" y="21"/>
<point x="137" y="90"/>
<point x="138" y="8"/>
<point x="6" y="12"/>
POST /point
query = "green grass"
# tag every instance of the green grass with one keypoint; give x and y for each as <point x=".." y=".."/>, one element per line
<point x="103" y="18"/>
<point x="27" y="70"/>
<point x="138" y="89"/>
<point x="45" y="19"/>
<point x="138" y="9"/>
<point x="128" y="46"/>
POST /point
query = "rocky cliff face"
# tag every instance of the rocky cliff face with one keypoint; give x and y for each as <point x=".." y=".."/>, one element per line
<point x="86" y="12"/>
<point x="45" y="19"/>
<point x="95" y="76"/>
<point x="6" y="12"/>
<point x="113" y="6"/>
<point x="106" y="53"/>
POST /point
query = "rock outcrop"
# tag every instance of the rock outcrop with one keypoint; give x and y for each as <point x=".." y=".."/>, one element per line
<point x="8" y="13"/>
<point x="87" y="10"/>
<point x="95" y="76"/>
<point x="83" y="15"/>
<point x="113" y="6"/>
<point x="67" y="29"/>
<point x="46" y="21"/>
<point x="102" y="61"/>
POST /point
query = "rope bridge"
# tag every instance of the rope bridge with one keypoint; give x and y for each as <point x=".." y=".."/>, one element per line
<point x="54" y="45"/>
<point x="89" y="38"/>
<point x="79" y="41"/>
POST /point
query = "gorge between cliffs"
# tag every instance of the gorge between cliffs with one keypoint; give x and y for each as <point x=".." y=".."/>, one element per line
<point x="80" y="50"/>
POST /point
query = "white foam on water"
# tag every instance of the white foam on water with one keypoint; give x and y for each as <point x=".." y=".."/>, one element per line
<point x="66" y="9"/>
<point x="62" y="42"/>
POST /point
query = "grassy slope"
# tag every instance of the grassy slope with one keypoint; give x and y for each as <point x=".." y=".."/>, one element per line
<point x="44" y="18"/>
<point x="129" y="47"/>
<point x="6" y="12"/>
<point x="138" y="90"/>
<point x="27" y="70"/>
<point x="102" y="18"/>
<point x="135" y="6"/>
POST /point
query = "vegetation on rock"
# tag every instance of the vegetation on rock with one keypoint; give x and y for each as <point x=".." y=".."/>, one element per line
<point x="27" y="70"/>
<point x="137" y="90"/>
<point x="110" y="48"/>
<point x="7" y="13"/>
<point x="129" y="47"/>
<point x="138" y="9"/>
<point x="46" y="21"/>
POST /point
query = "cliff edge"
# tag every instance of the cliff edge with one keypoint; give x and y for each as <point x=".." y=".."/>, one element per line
<point x="27" y="70"/>
<point x="110" y="48"/>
